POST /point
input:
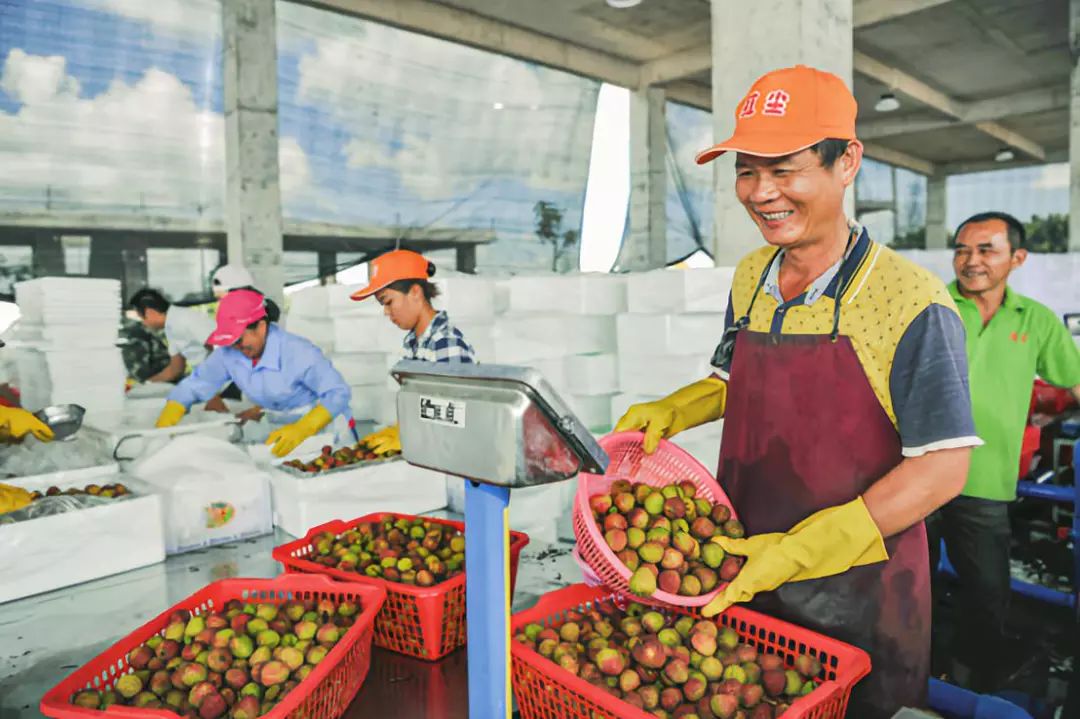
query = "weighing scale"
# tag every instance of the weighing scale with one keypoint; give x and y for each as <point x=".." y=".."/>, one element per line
<point x="498" y="428"/>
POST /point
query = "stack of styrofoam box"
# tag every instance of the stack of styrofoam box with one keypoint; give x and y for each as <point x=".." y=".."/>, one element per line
<point x="65" y="343"/>
<point x="667" y="339"/>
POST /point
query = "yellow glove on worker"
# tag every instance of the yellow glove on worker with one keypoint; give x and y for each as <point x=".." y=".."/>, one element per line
<point x="290" y="436"/>
<point x="16" y="422"/>
<point x="171" y="415"/>
<point x="384" y="441"/>
<point x="698" y="403"/>
<point x="828" y="542"/>
<point x="12" y="498"/>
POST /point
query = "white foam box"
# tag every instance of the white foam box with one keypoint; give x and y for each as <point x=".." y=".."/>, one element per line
<point x="553" y="370"/>
<point x="590" y="293"/>
<point x="594" y="411"/>
<point x="703" y="443"/>
<point x="40" y="555"/>
<point x="366" y="333"/>
<point x="369" y="401"/>
<point x="361" y="368"/>
<point x="395" y="486"/>
<point x="479" y="333"/>
<point x="466" y="296"/>
<point x="520" y="337"/>
<point x="596" y="374"/>
<point x="318" y="330"/>
<point x="660" y="374"/>
<point x="669" y="334"/>
<point x="694" y="290"/>
<point x="622" y="401"/>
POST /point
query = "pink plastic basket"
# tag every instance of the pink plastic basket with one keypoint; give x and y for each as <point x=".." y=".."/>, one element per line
<point x="627" y="460"/>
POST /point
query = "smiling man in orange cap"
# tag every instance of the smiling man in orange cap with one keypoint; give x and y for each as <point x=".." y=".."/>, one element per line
<point x="842" y="378"/>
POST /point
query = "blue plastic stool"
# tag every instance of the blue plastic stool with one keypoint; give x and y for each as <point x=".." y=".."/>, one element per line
<point x="958" y="703"/>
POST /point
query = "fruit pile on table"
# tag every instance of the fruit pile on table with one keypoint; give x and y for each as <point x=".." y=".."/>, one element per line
<point x="107" y="490"/>
<point x="342" y="457"/>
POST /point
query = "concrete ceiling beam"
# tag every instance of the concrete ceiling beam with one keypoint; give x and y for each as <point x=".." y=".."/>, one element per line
<point x="676" y="66"/>
<point x="872" y="12"/>
<point x="898" y="158"/>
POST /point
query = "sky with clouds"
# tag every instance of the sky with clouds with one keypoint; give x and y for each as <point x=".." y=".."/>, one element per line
<point x="116" y="105"/>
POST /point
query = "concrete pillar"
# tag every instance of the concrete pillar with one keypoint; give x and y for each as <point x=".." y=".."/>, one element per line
<point x="646" y="242"/>
<point x="748" y="40"/>
<point x="49" y="255"/>
<point x="937" y="234"/>
<point x="253" y="195"/>
<point x="1074" y="129"/>
<point x="465" y="259"/>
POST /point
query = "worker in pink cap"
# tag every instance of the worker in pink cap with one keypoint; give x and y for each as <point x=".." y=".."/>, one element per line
<point x="285" y="374"/>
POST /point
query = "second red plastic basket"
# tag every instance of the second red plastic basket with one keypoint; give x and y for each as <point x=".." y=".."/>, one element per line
<point x="326" y="692"/>
<point x="423" y="622"/>
<point x="544" y="690"/>
<point x="667" y="465"/>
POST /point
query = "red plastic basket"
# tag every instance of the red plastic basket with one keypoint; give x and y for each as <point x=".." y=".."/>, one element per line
<point x="423" y="622"/>
<point x="544" y="690"/>
<point x="326" y="693"/>
<point x="627" y="460"/>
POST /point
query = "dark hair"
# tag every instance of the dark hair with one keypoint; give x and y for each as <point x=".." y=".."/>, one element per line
<point x="148" y="299"/>
<point x="273" y="312"/>
<point x="1015" y="232"/>
<point x="830" y="151"/>
<point x="429" y="289"/>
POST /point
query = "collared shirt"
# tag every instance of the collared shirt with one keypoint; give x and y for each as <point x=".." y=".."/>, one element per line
<point x="903" y="327"/>
<point x="186" y="330"/>
<point x="292" y="373"/>
<point x="1023" y="339"/>
<point x="819" y="286"/>
<point x="440" y="342"/>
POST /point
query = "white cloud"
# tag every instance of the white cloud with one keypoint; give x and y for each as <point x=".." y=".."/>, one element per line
<point x="1052" y="177"/>
<point x="427" y="108"/>
<point x="146" y="144"/>
<point x="177" y="17"/>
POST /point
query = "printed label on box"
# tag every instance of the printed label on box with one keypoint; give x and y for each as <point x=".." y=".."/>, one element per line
<point x="445" y="412"/>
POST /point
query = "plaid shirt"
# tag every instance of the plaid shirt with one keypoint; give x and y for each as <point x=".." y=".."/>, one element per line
<point x="441" y="342"/>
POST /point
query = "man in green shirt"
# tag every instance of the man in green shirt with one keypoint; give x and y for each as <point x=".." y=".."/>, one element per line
<point x="1010" y="340"/>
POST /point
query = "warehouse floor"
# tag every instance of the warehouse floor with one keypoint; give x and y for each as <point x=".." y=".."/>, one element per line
<point x="44" y="638"/>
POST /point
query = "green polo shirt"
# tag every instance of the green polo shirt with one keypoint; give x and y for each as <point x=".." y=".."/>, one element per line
<point x="1022" y="340"/>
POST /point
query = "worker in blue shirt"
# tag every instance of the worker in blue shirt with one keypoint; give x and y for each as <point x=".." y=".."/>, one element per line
<point x="286" y="375"/>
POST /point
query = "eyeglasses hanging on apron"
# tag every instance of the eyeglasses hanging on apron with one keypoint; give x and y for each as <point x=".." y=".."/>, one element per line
<point x="725" y="351"/>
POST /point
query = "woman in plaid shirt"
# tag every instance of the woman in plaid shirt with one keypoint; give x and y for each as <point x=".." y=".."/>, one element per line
<point x="401" y="283"/>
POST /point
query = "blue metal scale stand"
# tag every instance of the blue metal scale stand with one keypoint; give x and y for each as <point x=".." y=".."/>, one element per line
<point x="498" y="428"/>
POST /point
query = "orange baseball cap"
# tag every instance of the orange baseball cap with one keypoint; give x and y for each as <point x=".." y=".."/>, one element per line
<point x="789" y="110"/>
<point x="391" y="267"/>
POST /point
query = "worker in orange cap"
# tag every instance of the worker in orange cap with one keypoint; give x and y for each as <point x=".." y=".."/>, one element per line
<point x="401" y="282"/>
<point x="842" y="378"/>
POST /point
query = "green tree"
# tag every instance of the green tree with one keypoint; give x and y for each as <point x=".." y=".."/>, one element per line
<point x="1048" y="234"/>
<point x="549" y="219"/>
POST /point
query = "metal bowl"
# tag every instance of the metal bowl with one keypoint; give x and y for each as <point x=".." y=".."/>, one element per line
<point x="63" y="419"/>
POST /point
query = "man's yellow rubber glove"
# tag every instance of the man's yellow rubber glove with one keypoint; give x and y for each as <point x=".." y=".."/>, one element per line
<point x="828" y="542"/>
<point x="698" y="403"/>
<point x="290" y="436"/>
<point x="384" y="441"/>
<point x="12" y="498"/>
<point x="171" y="415"/>
<point x="16" y="422"/>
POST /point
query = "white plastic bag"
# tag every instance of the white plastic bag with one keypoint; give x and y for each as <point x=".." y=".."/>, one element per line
<point x="213" y="492"/>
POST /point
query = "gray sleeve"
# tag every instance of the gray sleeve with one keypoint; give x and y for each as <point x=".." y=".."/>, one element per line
<point x="929" y="384"/>
<point x="722" y="370"/>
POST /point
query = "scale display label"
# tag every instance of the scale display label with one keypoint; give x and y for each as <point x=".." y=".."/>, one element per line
<point x="443" y="412"/>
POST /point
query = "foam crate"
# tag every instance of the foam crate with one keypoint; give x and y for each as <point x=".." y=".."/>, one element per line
<point x="366" y="333"/>
<point x="591" y="293"/>
<point x="361" y="368"/>
<point x="326" y="693"/>
<point x="666" y="291"/>
<point x="594" y="411"/>
<point x="671" y="334"/>
<point x="466" y="296"/>
<point x="318" y="330"/>
<point x="661" y="374"/>
<point x="394" y="486"/>
<point x="62" y="550"/>
<point x="622" y="401"/>
<point x="595" y="374"/>
<point x="520" y="337"/>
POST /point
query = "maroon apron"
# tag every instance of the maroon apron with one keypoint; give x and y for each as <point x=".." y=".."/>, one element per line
<point x="804" y="431"/>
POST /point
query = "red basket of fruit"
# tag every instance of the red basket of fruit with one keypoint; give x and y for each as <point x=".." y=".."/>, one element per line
<point x="581" y="654"/>
<point x="643" y="528"/>
<point x="291" y="647"/>
<point x="424" y="613"/>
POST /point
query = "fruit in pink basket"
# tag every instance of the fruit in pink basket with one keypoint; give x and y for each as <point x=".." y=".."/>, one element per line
<point x="213" y="707"/>
<point x="793" y="682"/>
<point x="192" y="674"/>
<point x="808" y="666"/>
<point x="128" y="686"/>
<point x="773" y="681"/>
<point x="676" y="671"/>
<point x="88" y="699"/>
<point x="273" y="673"/>
<point x="237" y="678"/>
<point x="702" y="528"/>
<point x="199" y="692"/>
<point x="723" y="706"/>
<point x="241" y="646"/>
<point x="669" y="581"/>
<point x="733" y="528"/>
<point x="139" y="657"/>
<point x="616" y="539"/>
<point x="751" y="695"/>
<point x="643" y="582"/>
<point x="674" y="508"/>
<point x="327" y="635"/>
<point x="614" y="521"/>
<point x="690" y="586"/>
<point x="219" y="660"/>
<point x="729" y="568"/>
<point x="600" y="503"/>
<point x="246" y="708"/>
<point x="670" y="698"/>
<point x="239" y="623"/>
<point x="316" y="654"/>
<point x="610" y="662"/>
